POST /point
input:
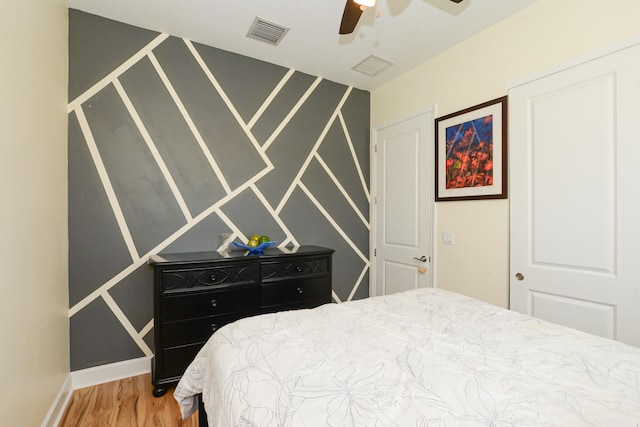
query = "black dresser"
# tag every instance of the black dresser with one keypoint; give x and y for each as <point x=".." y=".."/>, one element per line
<point x="197" y="293"/>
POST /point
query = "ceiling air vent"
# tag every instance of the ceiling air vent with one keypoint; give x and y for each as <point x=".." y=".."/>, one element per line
<point x="372" y="65"/>
<point x="266" y="31"/>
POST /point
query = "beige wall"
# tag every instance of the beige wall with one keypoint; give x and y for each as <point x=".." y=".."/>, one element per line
<point x="541" y="36"/>
<point x="34" y="329"/>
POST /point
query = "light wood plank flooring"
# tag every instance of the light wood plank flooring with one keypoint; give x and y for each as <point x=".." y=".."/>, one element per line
<point x="125" y="403"/>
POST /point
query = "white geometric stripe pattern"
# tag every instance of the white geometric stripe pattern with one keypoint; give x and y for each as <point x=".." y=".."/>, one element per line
<point x="137" y="259"/>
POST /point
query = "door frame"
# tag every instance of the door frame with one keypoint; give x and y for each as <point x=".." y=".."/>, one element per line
<point x="374" y="185"/>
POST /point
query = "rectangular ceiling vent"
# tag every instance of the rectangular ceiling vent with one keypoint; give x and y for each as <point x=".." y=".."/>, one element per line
<point x="372" y="65"/>
<point x="266" y="31"/>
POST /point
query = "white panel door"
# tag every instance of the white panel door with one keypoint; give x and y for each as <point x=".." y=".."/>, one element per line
<point x="575" y="196"/>
<point x="402" y="205"/>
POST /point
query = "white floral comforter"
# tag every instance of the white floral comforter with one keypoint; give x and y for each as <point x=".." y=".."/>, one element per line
<point x="420" y="358"/>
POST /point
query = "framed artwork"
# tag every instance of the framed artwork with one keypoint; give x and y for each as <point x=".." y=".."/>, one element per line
<point x="471" y="153"/>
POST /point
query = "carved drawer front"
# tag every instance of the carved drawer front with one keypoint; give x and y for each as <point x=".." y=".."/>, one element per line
<point x="209" y="277"/>
<point x="294" y="268"/>
<point x="198" y="330"/>
<point x="295" y="291"/>
<point x="201" y="304"/>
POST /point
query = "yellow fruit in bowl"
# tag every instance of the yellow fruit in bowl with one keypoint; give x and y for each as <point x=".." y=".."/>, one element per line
<point x="255" y="237"/>
<point x="252" y="243"/>
<point x="264" y="239"/>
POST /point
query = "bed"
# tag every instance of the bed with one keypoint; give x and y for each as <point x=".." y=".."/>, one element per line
<point x="419" y="358"/>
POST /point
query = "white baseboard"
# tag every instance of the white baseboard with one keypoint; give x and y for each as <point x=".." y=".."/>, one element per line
<point x="59" y="405"/>
<point x="93" y="376"/>
<point x="111" y="372"/>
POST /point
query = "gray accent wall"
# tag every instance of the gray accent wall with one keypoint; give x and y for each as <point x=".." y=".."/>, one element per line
<point x="172" y="143"/>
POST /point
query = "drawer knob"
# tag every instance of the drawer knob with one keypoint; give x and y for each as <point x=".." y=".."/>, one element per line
<point x="212" y="278"/>
<point x="300" y="290"/>
<point x="298" y="269"/>
<point x="214" y="303"/>
<point x="214" y="327"/>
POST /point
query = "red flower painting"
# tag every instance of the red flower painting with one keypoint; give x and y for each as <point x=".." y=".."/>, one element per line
<point x="469" y="154"/>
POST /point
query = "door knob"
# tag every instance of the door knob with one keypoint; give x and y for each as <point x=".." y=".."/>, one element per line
<point x="422" y="258"/>
<point x="519" y="277"/>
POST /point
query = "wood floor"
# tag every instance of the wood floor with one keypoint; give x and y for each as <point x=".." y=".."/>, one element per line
<point x="124" y="403"/>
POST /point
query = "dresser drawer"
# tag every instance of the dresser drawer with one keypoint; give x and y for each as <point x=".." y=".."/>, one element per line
<point x="312" y="303"/>
<point x="275" y="270"/>
<point x="295" y="291"/>
<point x="198" y="330"/>
<point x="186" y="278"/>
<point x="175" y="360"/>
<point x="201" y="304"/>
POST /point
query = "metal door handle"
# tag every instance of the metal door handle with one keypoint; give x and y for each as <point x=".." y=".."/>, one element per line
<point x="422" y="258"/>
<point x="519" y="277"/>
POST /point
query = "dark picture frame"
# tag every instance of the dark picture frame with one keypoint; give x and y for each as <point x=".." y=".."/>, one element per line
<point x="471" y="153"/>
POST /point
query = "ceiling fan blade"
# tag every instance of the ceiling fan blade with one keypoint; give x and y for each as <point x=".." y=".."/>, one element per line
<point x="350" y="17"/>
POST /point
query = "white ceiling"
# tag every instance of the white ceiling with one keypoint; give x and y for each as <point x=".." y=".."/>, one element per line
<point x="407" y="32"/>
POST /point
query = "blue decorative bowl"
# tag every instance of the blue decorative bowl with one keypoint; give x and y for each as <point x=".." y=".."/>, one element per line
<point x="255" y="249"/>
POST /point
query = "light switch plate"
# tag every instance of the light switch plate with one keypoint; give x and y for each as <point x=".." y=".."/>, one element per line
<point x="447" y="237"/>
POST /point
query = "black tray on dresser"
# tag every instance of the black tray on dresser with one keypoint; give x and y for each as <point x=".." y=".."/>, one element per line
<point x="197" y="293"/>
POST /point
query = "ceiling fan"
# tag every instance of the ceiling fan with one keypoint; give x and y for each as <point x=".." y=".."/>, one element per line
<point x="352" y="11"/>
